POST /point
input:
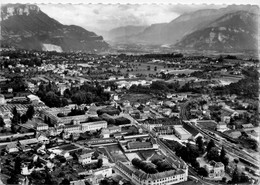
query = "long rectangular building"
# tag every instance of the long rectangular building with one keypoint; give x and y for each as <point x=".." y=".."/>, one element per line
<point x="181" y="133"/>
<point x="162" y="178"/>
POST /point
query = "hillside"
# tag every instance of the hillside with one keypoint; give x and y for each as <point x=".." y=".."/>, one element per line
<point x="26" y="26"/>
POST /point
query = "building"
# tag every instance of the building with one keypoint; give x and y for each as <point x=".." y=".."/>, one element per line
<point x="41" y="126"/>
<point x="162" y="178"/>
<point x="43" y="139"/>
<point x="181" y="133"/>
<point x="114" y="129"/>
<point x="72" y="128"/>
<point x="51" y="115"/>
<point x="2" y="99"/>
<point x="215" y="169"/>
<point x="193" y="131"/>
<point x="164" y="130"/>
<point x="222" y="126"/>
<point x="93" y="125"/>
<point x="86" y="157"/>
<point x="12" y="147"/>
<point x="24" y="142"/>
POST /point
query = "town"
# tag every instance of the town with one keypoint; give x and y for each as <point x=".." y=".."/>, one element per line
<point x="158" y="119"/>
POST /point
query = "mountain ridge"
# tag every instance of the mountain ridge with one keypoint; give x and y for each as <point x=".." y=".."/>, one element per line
<point x="27" y="27"/>
<point x="173" y="31"/>
<point x="235" y="31"/>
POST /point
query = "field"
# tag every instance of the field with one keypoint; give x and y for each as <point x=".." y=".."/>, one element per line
<point x="68" y="147"/>
<point x="116" y="153"/>
<point x="142" y="98"/>
<point x="142" y="68"/>
<point x="133" y="155"/>
<point x="207" y="124"/>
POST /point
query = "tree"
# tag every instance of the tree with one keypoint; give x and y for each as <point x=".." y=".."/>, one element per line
<point x="99" y="163"/>
<point x="52" y="100"/>
<point x="65" y="181"/>
<point x="222" y="153"/>
<point x="13" y="129"/>
<point x="244" y="178"/>
<point x="67" y="93"/>
<point x="16" y="116"/>
<point x="203" y="172"/>
<point x="13" y="179"/>
<point x="64" y="102"/>
<point x="24" y="118"/>
<point x="30" y="112"/>
<point x="195" y="164"/>
<point x="17" y="165"/>
<point x="2" y="123"/>
<point x="210" y="145"/>
<point x="236" y="176"/>
<point x="213" y="154"/>
<point x="79" y="97"/>
<point x="200" y="144"/>
<point x="14" y="111"/>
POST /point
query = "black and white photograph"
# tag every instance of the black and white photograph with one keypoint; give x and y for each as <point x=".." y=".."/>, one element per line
<point x="129" y="94"/>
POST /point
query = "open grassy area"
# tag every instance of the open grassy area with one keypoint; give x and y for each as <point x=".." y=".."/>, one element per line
<point x="132" y="97"/>
<point x="117" y="153"/>
<point x="68" y="147"/>
<point x="210" y="125"/>
<point x="142" y="68"/>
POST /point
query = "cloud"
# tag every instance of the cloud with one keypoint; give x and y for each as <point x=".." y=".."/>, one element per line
<point x="105" y="17"/>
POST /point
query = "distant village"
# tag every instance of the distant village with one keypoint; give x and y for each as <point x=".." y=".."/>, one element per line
<point x="157" y="119"/>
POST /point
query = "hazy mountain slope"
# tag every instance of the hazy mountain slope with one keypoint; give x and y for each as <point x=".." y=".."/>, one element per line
<point x="123" y="32"/>
<point x="174" y="31"/>
<point x="26" y="26"/>
<point x="232" y="32"/>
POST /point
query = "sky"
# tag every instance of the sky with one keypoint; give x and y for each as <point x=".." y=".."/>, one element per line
<point x="99" y="17"/>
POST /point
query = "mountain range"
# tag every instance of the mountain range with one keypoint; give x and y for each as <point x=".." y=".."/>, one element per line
<point x="26" y="26"/>
<point x="234" y="27"/>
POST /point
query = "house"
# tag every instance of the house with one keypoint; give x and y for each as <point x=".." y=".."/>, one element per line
<point x="227" y="111"/>
<point x="215" y="169"/>
<point x="86" y="157"/>
<point x="169" y="96"/>
<point x="105" y="133"/>
<point x="169" y="104"/>
<point x="167" y="112"/>
<point x="146" y="110"/>
<point x="246" y="126"/>
<point x="136" y="104"/>
<point x="175" y="114"/>
<point x="25" y="148"/>
<point x="114" y="129"/>
<point x="252" y="134"/>
<point x="222" y="126"/>
<point x="41" y="126"/>
<point x="32" y="141"/>
<point x="12" y="147"/>
<point x="43" y="139"/>
<point x="225" y="119"/>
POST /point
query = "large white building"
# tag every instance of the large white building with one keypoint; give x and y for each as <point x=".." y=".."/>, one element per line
<point x="93" y="125"/>
<point x="79" y="127"/>
<point x="163" y="178"/>
<point x="181" y="133"/>
<point x="215" y="169"/>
